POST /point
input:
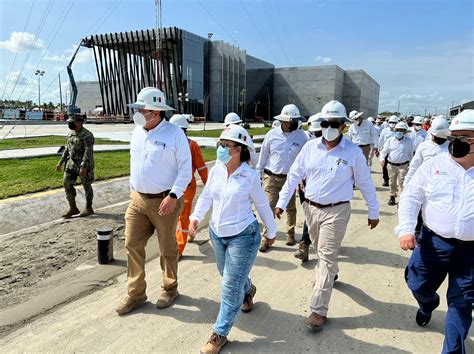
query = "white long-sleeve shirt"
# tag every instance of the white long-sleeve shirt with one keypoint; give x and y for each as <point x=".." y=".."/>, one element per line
<point x="384" y="136"/>
<point x="160" y="160"/>
<point x="417" y="137"/>
<point x="365" y="134"/>
<point x="231" y="199"/>
<point x="397" y="151"/>
<point x="330" y="175"/>
<point x="279" y="150"/>
<point x="426" y="151"/>
<point x="378" y="129"/>
<point x="444" y="191"/>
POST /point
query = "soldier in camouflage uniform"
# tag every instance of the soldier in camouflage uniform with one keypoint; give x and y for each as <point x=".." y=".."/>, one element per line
<point x="79" y="161"/>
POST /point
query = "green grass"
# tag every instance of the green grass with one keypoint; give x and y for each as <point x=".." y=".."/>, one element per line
<point x="22" y="176"/>
<point x="45" y="141"/>
<point x="215" y="133"/>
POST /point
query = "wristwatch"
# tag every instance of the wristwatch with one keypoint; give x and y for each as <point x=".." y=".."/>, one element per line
<point x="172" y="195"/>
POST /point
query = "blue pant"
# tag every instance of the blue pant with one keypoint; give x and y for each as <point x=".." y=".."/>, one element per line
<point x="433" y="259"/>
<point x="235" y="256"/>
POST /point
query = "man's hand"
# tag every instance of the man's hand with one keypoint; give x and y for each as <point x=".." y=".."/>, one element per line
<point x="407" y="242"/>
<point x="83" y="172"/>
<point x="373" y="223"/>
<point x="278" y="212"/>
<point x="167" y="206"/>
<point x="382" y="163"/>
<point x="193" y="224"/>
<point x="271" y="241"/>
<point x="58" y="167"/>
<point x="376" y="152"/>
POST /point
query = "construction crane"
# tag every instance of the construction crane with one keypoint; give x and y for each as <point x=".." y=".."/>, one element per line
<point x="72" y="108"/>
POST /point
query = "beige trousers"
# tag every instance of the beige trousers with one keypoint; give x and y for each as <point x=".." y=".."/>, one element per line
<point x="327" y="228"/>
<point x="366" y="152"/>
<point x="141" y="221"/>
<point x="397" y="176"/>
<point x="272" y="186"/>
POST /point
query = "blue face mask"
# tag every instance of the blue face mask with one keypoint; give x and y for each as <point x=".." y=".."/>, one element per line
<point x="399" y="135"/>
<point x="223" y="154"/>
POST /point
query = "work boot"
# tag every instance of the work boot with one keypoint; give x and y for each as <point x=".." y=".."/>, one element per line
<point x="302" y="252"/>
<point x="264" y="245"/>
<point x="315" y="322"/>
<point x="214" y="344"/>
<point x="392" y="201"/>
<point x="422" y="319"/>
<point x="129" y="304"/>
<point x="248" y="300"/>
<point x="190" y="239"/>
<point x="290" y="240"/>
<point x="73" y="210"/>
<point x="166" y="298"/>
<point x="385" y="184"/>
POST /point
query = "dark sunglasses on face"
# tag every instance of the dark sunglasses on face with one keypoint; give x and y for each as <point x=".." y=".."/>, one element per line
<point x="226" y="145"/>
<point x="333" y="124"/>
<point x="462" y="138"/>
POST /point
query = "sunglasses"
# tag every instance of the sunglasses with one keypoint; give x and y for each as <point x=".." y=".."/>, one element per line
<point x="226" y="145"/>
<point x="462" y="138"/>
<point x="333" y="124"/>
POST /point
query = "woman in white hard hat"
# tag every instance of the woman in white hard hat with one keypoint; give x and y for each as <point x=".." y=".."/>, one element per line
<point x="231" y="189"/>
<point x="234" y="119"/>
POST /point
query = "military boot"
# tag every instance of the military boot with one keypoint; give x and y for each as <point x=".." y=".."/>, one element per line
<point x="73" y="210"/>
<point x="88" y="210"/>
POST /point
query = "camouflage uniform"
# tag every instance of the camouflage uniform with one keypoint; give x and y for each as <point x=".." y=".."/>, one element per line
<point x="78" y="153"/>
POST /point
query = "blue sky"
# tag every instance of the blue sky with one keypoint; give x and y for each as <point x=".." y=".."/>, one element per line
<point x="420" y="51"/>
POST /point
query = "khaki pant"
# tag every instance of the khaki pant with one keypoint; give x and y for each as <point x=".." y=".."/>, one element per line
<point x="141" y="221"/>
<point x="272" y="186"/>
<point x="327" y="228"/>
<point x="371" y="155"/>
<point x="366" y="152"/>
<point x="397" y="176"/>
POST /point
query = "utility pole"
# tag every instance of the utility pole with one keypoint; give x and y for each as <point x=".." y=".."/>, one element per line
<point x="398" y="109"/>
<point x="60" y="94"/>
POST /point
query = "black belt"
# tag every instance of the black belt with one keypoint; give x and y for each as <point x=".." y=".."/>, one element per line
<point x="451" y="241"/>
<point x="161" y="195"/>
<point x="398" y="164"/>
<point x="322" y="206"/>
<point x="363" y="146"/>
<point x="270" y="173"/>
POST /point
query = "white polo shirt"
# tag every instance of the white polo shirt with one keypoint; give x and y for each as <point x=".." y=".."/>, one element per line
<point x="397" y="151"/>
<point x="444" y="191"/>
<point x="279" y="150"/>
<point x="231" y="199"/>
<point x="160" y="160"/>
<point x="417" y="137"/>
<point x="330" y="175"/>
<point x="364" y="134"/>
<point x="384" y="135"/>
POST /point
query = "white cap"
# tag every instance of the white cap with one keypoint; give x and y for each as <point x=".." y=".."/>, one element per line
<point x="179" y="120"/>
<point x="439" y="127"/>
<point x="463" y="121"/>
<point x="371" y="119"/>
<point x="334" y="110"/>
<point x="238" y="134"/>
<point x="418" y="120"/>
<point x="276" y="123"/>
<point x="288" y="112"/>
<point x="232" y="118"/>
<point x="355" y="115"/>
<point x="401" y="125"/>
<point x="151" y="98"/>
<point x="393" y="119"/>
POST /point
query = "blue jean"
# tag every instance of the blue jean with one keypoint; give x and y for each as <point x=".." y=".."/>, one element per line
<point x="235" y="256"/>
<point x="433" y="259"/>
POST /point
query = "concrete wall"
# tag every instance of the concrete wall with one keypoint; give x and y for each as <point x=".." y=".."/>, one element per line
<point x="259" y="86"/>
<point x="361" y="92"/>
<point x="88" y="96"/>
<point x="309" y="88"/>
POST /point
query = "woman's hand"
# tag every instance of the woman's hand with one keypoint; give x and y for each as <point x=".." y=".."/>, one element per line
<point x="193" y="227"/>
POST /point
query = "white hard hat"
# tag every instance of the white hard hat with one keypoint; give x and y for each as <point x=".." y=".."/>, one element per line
<point x="238" y="134"/>
<point x="314" y="123"/>
<point x="439" y="127"/>
<point x="393" y="119"/>
<point x="179" y="120"/>
<point x="426" y="120"/>
<point x="152" y="99"/>
<point x="232" y="118"/>
<point x="288" y="112"/>
<point x="334" y="110"/>
<point x="418" y="120"/>
<point x="441" y="116"/>
<point x="401" y="125"/>
<point x="463" y="121"/>
<point x="355" y="115"/>
<point x="371" y="119"/>
<point x="276" y="123"/>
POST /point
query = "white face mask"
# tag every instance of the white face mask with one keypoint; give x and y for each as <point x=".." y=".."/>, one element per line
<point x="330" y="134"/>
<point x="391" y="125"/>
<point x="416" y="127"/>
<point x="139" y="119"/>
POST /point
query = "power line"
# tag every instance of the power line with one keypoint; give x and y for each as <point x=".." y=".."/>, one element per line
<point x="217" y="21"/>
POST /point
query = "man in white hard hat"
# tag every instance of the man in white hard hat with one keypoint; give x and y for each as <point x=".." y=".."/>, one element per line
<point x="397" y="153"/>
<point x="417" y="134"/>
<point x="199" y="165"/>
<point x="314" y="127"/>
<point x="160" y="171"/>
<point x="384" y="136"/>
<point x="443" y="189"/>
<point x="330" y="166"/>
<point x="279" y="149"/>
<point x="426" y="124"/>
<point x="363" y="134"/>
<point x="378" y="126"/>
<point x="232" y="118"/>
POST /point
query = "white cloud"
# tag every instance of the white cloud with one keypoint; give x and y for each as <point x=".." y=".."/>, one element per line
<point x="21" y="42"/>
<point x="16" y="75"/>
<point x="325" y="60"/>
<point x="83" y="56"/>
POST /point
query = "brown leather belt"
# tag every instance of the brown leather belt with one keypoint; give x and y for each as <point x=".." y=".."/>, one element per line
<point x="270" y="173"/>
<point x="322" y="206"/>
<point x="161" y="195"/>
<point x="363" y="146"/>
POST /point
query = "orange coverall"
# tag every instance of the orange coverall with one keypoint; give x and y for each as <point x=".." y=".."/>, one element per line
<point x="199" y="165"/>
